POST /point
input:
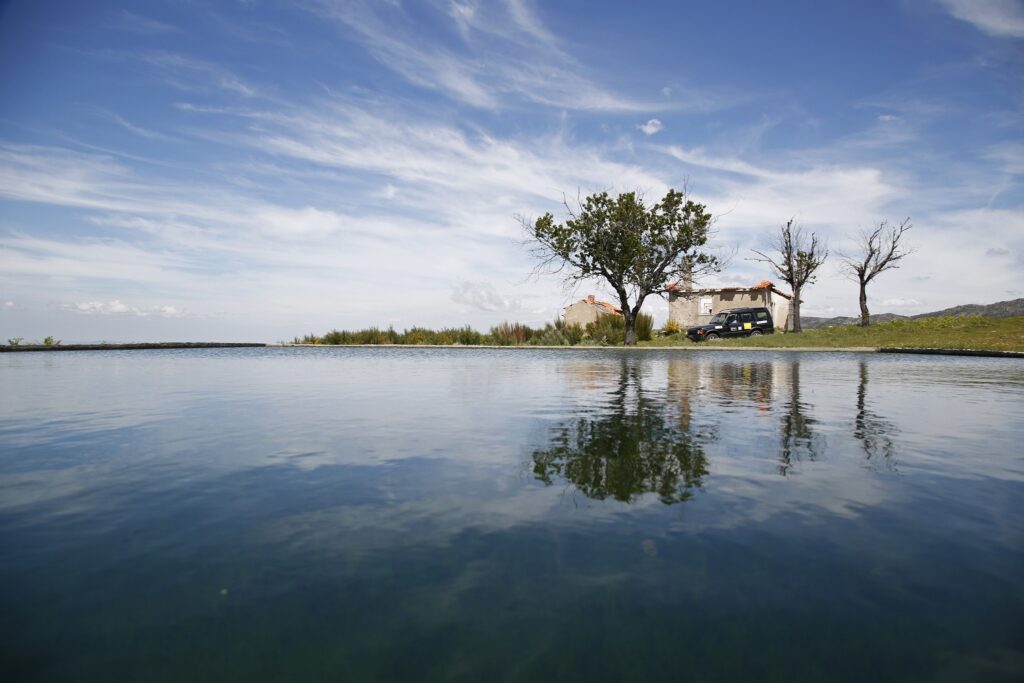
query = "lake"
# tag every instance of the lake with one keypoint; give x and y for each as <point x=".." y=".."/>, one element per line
<point x="399" y="514"/>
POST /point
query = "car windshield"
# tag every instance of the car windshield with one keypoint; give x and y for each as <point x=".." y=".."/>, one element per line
<point x="718" y="319"/>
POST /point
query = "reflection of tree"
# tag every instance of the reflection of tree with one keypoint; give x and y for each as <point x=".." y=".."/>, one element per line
<point x="799" y="442"/>
<point x="870" y="429"/>
<point x="635" y="446"/>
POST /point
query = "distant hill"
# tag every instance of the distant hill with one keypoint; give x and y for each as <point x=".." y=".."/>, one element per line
<point x="812" y="323"/>
<point x="1000" y="309"/>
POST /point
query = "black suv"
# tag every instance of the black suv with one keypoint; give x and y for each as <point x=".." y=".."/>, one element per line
<point x="734" y="322"/>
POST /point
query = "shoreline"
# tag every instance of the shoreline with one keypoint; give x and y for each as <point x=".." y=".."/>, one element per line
<point x="580" y="347"/>
<point x="695" y="347"/>
<point x="130" y="346"/>
<point x="141" y="346"/>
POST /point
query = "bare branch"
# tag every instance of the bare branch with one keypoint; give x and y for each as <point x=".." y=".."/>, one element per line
<point x="880" y="250"/>
<point x="799" y="257"/>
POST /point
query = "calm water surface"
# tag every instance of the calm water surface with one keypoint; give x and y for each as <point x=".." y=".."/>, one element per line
<point x="426" y="514"/>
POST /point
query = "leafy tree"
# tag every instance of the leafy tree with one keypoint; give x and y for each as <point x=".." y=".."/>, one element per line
<point x="635" y="447"/>
<point x="637" y="250"/>
<point x="799" y="256"/>
<point x="879" y="250"/>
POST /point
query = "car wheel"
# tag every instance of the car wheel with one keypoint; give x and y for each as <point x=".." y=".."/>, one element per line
<point x="711" y="336"/>
<point x="756" y="333"/>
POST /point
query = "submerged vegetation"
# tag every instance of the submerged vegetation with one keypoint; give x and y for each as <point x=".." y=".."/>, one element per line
<point x="608" y="330"/>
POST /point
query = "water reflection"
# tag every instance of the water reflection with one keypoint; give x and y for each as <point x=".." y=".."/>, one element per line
<point x="798" y="440"/>
<point x="214" y="518"/>
<point x="639" y="444"/>
<point x="870" y="429"/>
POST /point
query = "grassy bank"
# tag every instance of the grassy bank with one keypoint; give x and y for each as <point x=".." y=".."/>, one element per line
<point x="988" y="334"/>
<point x="991" y="334"/>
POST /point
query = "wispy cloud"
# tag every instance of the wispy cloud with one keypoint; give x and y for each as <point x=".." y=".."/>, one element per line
<point x="132" y="128"/>
<point x="137" y="23"/>
<point x="498" y="52"/>
<point x="207" y="73"/>
<point x="1000" y="18"/>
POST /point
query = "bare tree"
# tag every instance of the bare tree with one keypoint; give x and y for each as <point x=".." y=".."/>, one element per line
<point x="799" y="256"/>
<point x="879" y="250"/>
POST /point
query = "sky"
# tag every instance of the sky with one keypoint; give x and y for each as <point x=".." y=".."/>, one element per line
<point x="252" y="171"/>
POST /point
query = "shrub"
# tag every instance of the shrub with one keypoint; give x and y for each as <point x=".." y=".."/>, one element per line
<point x="509" y="334"/>
<point x="573" y="334"/>
<point x="332" y="337"/>
<point x="644" y="326"/>
<point x="468" y="336"/>
<point x="671" y="327"/>
<point x="550" y="336"/>
<point x="16" y="341"/>
<point x="608" y="330"/>
<point x="50" y="341"/>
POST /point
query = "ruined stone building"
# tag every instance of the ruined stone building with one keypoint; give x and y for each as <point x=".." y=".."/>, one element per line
<point x="588" y="310"/>
<point x="689" y="307"/>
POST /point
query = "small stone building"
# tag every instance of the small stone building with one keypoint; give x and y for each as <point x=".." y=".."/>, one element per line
<point x="588" y="310"/>
<point x="690" y="307"/>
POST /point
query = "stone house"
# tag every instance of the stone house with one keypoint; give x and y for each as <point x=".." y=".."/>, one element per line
<point x="689" y="307"/>
<point x="586" y="311"/>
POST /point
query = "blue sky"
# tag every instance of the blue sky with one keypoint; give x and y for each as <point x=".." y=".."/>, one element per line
<point x="255" y="170"/>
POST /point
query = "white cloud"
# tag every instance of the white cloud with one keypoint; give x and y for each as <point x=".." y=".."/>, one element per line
<point x="116" y="307"/>
<point x="886" y="118"/>
<point x="485" y="297"/>
<point x="1001" y="18"/>
<point x="651" y="127"/>
<point x="759" y="197"/>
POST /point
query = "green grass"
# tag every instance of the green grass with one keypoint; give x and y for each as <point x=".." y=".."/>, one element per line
<point x="992" y="334"/>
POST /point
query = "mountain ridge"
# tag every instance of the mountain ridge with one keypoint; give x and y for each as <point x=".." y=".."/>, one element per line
<point x="1000" y="309"/>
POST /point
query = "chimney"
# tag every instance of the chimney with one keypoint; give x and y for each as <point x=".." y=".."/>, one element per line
<point x="590" y="298"/>
<point x="688" y="275"/>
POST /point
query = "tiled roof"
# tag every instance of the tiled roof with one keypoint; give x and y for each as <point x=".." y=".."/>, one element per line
<point x="605" y="305"/>
<point x="763" y="284"/>
<point x="601" y="304"/>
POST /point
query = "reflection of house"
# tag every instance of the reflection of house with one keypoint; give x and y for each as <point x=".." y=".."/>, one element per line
<point x="726" y="382"/>
<point x="690" y="307"/>
<point x="588" y="310"/>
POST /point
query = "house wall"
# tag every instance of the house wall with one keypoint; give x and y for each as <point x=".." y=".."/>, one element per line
<point x="684" y="307"/>
<point x="582" y="313"/>
<point x="782" y="310"/>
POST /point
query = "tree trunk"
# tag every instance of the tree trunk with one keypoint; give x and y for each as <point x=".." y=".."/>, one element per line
<point x="865" y="317"/>
<point x="796" y="310"/>
<point x="630" y="327"/>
